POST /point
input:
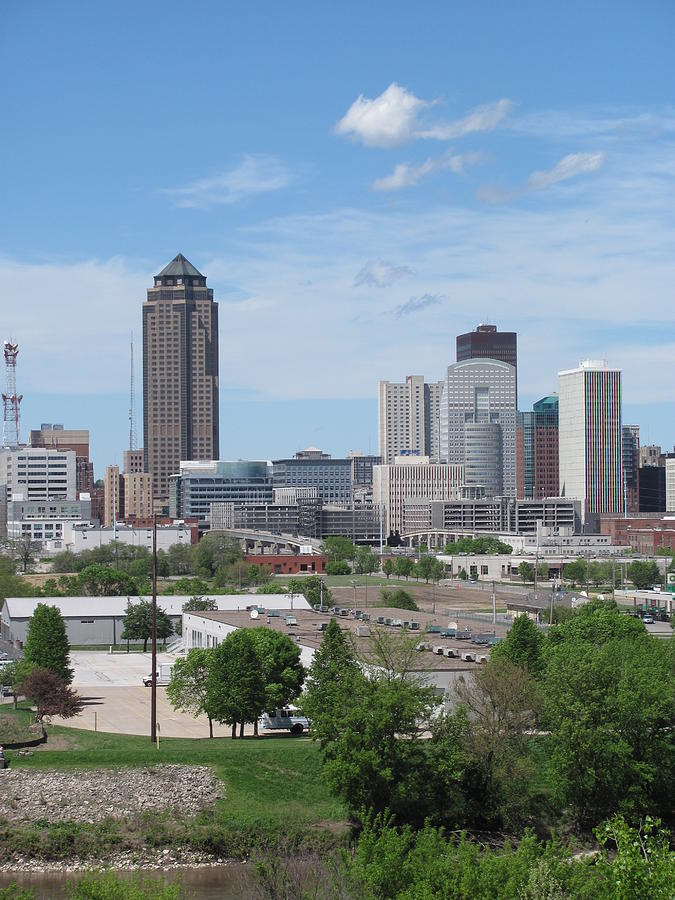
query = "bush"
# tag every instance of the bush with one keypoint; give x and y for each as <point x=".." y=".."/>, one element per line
<point x="398" y="599"/>
<point x="338" y="567"/>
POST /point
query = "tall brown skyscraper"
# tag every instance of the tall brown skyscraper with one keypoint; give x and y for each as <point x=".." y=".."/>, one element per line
<point x="180" y="373"/>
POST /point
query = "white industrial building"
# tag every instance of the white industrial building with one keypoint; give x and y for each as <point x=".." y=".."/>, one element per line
<point x="84" y="538"/>
<point x="35" y="473"/>
<point x="99" y="620"/>
<point x="589" y="437"/>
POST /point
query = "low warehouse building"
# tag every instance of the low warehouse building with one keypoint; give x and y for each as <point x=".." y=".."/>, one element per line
<point x="99" y="620"/>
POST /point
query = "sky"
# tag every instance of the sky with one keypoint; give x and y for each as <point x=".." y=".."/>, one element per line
<point x="360" y="182"/>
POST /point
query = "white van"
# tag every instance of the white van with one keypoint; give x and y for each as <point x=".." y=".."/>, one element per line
<point x="289" y="718"/>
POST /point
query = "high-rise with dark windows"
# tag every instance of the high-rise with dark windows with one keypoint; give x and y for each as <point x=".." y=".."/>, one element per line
<point x="180" y="373"/>
<point x="488" y="343"/>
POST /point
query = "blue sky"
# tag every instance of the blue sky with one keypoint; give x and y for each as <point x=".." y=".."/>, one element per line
<point x="360" y="183"/>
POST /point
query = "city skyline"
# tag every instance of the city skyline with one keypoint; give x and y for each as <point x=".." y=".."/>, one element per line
<point x="352" y="220"/>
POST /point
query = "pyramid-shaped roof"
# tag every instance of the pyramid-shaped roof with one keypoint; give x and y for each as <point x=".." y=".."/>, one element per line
<point x="180" y="266"/>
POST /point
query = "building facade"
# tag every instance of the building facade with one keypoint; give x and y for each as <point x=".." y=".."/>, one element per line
<point x="47" y="523"/>
<point x="478" y="423"/>
<point x="408" y="418"/>
<point x="180" y="373"/>
<point x="652" y="487"/>
<point x="133" y="461"/>
<point x="313" y="468"/>
<point x="113" y="496"/>
<point x="546" y="473"/>
<point x="670" y="483"/>
<point x="411" y="478"/>
<point x="198" y="485"/>
<point x="137" y="487"/>
<point x="56" y="437"/>
<point x="39" y="474"/>
<point x="488" y="343"/>
<point x="630" y="461"/>
<point x="590" y="438"/>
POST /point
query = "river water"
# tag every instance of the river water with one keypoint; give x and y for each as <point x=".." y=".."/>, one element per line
<point x="229" y="882"/>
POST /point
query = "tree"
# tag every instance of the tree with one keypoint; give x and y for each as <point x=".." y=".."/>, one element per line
<point x="47" y="644"/>
<point x="25" y="550"/>
<point x="99" y="580"/>
<point x="235" y="686"/>
<point x="14" y="674"/>
<point x="526" y="571"/>
<point x="398" y="599"/>
<point x="50" y="694"/>
<point x="282" y="670"/>
<point x="501" y="703"/>
<point x="187" y="689"/>
<point x="576" y="571"/>
<point x="388" y="567"/>
<point x="337" y="547"/>
<point x="424" y="567"/>
<point x="365" y="561"/>
<point x="523" y="646"/>
<point x="138" y="623"/>
<point x="404" y="566"/>
<point x="180" y="559"/>
<point x="215" y="550"/>
<point x="644" y="574"/>
<point x="312" y="588"/>
<point x="338" y="567"/>
<point x="200" y="604"/>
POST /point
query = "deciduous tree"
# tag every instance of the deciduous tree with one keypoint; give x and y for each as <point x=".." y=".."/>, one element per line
<point x="50" y="694"/>
<point x="235" y="687"/>
<point x="187" y="689"/>
<point x="138" y="623"/>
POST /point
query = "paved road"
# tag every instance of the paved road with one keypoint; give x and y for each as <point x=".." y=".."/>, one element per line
<point x="100" y="669"/>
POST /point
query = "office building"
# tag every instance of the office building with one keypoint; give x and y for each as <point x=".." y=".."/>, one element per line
<point x="670" y="483"/>
<point x="408" y="418"/>
<point x="180" y="373"/>
<point x="411" y="478"/>
<point x="478" y="423"/>
<point x="137" y="495"/>
<point x="34" y="473"/>
<point x="546" y="479"/>
<point x="589" y="399"/>
<point x="198" y="485"/>
<point x="652" y="489"/>
<point x="47" y="523"/>
<point x="314" y="468"/>
<point x="630" y="461"/>
<point x="56" y="437"/>
<point x="113" y="496"/>
<point x="488" y="343"/>
<point x="525" y="474"/>
<point x="651" y="455"/>
<point x="362" y="470"/>
<point x="133" y="461"/>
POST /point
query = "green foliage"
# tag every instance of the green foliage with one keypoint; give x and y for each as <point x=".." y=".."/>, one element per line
<point x="644" y="574"/>
<point x="480" y="546"/>
<point x="403" y="566"/>
<point x="50" y="694"/>
<point x="575" y="571"/>
<point x="200" y="604"/>
<point x="610" y="705"/>
<point x="179" y="558"/>
<point x="282" y="670"/>
<point x="398" y="599"/>
<point x="337" y="547"/>
<point x="215" y="551"/>
<point x="137" y="623"/>
<point x="187" y="688"/>
<point x="429" y="568"/>
<point x="644" y="865"/>
<point x="312" y="588"/>
<point x="114" y="886"/>
<point x="271" y="587"/>
<point x="47" y="644"/>
<point x="100" y="580"/>
<point x="338" y="567"/>
<point x="366" y="561"/>
<point x="526" y="571"/>
<point x="235" y="687"/>
<point x="523" y="646"/>
<point x="388" y="566"/>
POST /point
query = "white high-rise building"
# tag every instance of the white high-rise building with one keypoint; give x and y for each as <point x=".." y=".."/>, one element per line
<point x="478" y="423"/>
<point x="412" y="478"/>
<point x="408" y="418"/>
<point x="670" y="484"/>
<point x="35" y="473"/>
<point x="590" y="437"/>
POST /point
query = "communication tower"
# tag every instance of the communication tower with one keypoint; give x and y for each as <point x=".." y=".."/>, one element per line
<point x="10" y="399"/>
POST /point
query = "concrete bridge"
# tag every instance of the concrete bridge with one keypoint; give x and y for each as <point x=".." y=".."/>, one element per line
<point x="269" y="542"/>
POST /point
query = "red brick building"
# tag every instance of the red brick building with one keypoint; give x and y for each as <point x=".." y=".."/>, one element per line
<point x="645" y="534"/>
<point x="288" y="564"/>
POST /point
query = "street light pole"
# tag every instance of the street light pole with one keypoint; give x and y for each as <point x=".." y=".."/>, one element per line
<point x="153" y="684"/>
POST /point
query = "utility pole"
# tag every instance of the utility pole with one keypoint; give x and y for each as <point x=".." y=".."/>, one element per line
<point x="153" y="685"/>
<point x="494" y="605"/>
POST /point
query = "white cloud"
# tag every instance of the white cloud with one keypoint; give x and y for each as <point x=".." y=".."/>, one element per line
<point x="417" y="304"/>
<point x="394" y="118"/>
<point x="408" y="174"/>
<point x="254" y="175"/>
<point x="381" y="274"/>
<point x="569" y="167"/>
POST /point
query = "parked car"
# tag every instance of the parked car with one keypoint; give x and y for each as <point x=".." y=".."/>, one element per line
<point x="648" y="620"/>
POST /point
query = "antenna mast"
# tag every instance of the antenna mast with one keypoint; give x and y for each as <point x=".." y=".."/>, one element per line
<point x="11" y="400"/>
<point x="132" y="417"/>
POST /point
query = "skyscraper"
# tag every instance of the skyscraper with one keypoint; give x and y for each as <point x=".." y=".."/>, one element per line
<point x="180" y="373"/>
<point x="57" y="437"/>
<point x="408" y="418"/>
<point x="478" y="423"/>
<point x="630" y="455"/>
<point x="546" y="480"/>
<point x="488" y="343"/>
<point x="589" y="437"/>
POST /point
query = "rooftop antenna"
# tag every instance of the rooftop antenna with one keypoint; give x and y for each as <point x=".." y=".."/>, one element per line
<point x="132" y="417"/>
<point x="10" y="399"/>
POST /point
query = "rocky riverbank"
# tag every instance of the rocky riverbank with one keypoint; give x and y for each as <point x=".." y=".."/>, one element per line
<point x="93" y="795"/>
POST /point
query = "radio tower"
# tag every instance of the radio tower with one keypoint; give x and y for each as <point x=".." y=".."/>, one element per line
<point x="132" y="416"/>
<point x="11" y="400"/>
